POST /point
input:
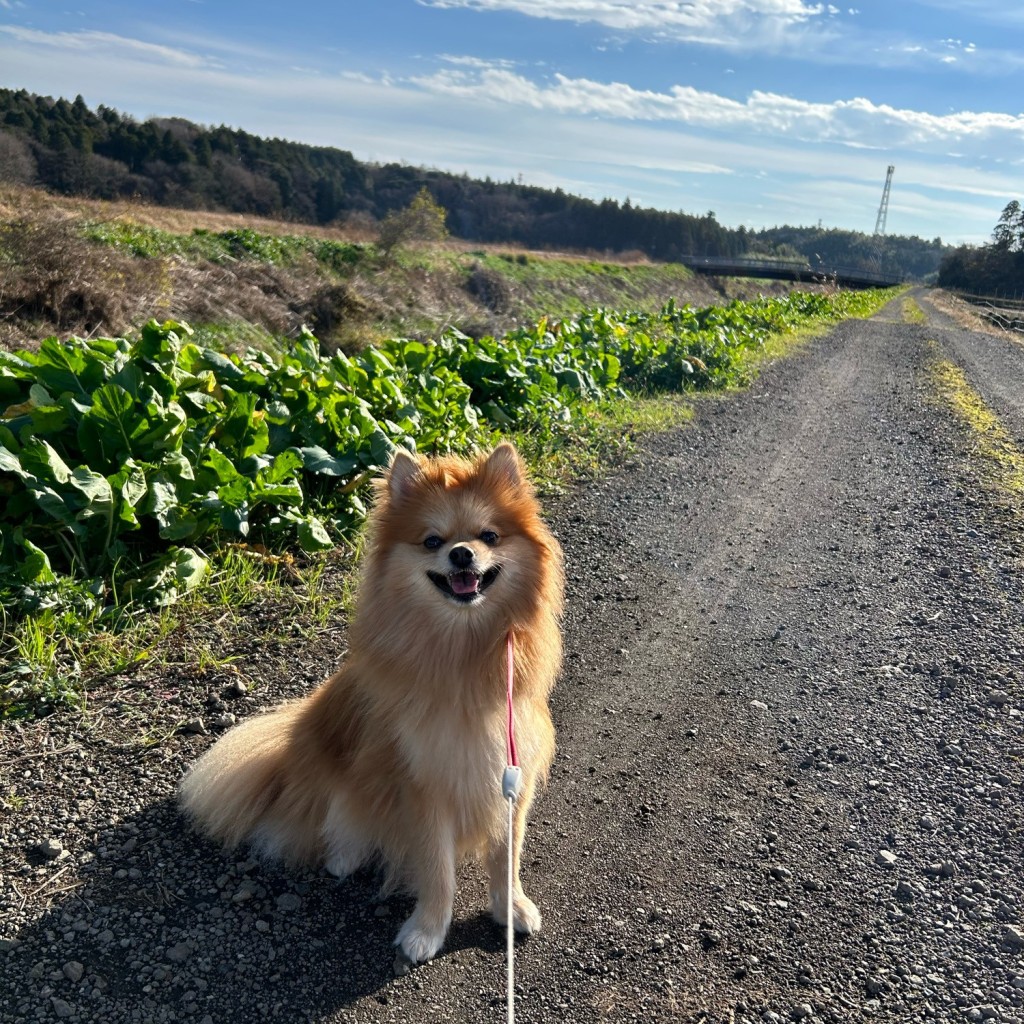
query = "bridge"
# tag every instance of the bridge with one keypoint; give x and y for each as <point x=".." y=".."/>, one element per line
<point x="789" y="270"/>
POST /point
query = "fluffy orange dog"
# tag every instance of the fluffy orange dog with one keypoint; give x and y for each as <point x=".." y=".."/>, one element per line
<point x="399" y="755"/>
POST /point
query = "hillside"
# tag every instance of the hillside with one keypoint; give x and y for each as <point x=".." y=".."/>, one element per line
<point x="912" y="257"/>
<point x="71" y="149"/>
<point x="80" y="266"/>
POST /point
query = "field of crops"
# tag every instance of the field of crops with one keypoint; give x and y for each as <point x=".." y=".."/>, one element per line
<point x="125" y="464"/>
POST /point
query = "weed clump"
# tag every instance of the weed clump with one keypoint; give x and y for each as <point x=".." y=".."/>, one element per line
<point x="490" y="289"/>
<point x="52" y="277"/>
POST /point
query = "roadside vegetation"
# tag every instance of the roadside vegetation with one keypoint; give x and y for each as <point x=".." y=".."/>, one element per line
<point x="1001" y="460"/>
<point x="149" y="480"/>
<point x="912" y="312"/>
<point x="91" y="268"/>
<point x="993" y="270"/>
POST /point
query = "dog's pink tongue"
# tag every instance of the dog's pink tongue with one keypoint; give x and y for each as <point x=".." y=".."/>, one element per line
<point x="464" y="583"/>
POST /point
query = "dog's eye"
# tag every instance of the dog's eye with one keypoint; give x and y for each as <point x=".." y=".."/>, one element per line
<point x="489" y="537"/>
<point x="433" y="542"/>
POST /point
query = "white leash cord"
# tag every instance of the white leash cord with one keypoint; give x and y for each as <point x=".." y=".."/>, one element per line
<point x="511" y="928"/>
<point x="510" y="790"/>
<point x="510" y="783"/>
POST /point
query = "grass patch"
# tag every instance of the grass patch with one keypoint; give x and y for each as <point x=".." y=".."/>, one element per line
<point x="251" y="597"/>
<point x="606" y="435"/>
<point x="235" y="336"/>
<point x="912" y="313"/>
<point x="993" y="444"/>
<point x="572" y="285"/>
<point x="225" y="246"/>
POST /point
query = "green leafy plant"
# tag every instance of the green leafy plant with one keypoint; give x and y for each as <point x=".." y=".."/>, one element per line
<point x="126" y="465"/>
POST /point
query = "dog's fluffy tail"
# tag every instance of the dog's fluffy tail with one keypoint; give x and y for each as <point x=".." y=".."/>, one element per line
<point x="242" y="789"/>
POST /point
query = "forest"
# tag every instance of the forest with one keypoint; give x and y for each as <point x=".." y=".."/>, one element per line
<point x="996" y="269"/>
<point x="69" y="148"/>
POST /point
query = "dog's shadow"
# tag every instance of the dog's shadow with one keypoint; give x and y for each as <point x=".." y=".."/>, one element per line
<point x="162" y="920"/>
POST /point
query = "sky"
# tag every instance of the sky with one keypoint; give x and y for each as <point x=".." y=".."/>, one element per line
<point x="765" y="112"/>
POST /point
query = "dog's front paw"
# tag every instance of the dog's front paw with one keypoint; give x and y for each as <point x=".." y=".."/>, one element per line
<point x="420" y="942"/>
<point x="341" y="866"/>
<point x="526" y="917"/>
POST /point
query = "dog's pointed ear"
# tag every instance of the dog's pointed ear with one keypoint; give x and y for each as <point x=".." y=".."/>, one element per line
<point x="403" y="474"/>
<point x="506" y="464"/>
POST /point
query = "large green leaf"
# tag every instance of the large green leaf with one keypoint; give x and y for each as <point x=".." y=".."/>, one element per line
<point x="131" y="486"/>
<point x="316" y="460"/>
<point x="35" y="567"/>
<point x="382" y="448"/>
<point x="106" y="431"/>
<point x="284" y="466"/>
<point x="177" y="523"/>
<point x="39" y="459"/>
<point x="313" y="536"/>
<point x="277" y="494"/>
<point x="225" y="368"/>
<point x="189" y="568"/>
<point x="242" y="429"/>
<point x="95" y="489"/>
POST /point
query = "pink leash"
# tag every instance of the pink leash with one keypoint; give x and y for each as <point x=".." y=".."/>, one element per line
<point x="510" y="736"/>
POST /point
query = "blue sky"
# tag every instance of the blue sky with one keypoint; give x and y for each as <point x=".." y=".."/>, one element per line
<point x="764" y="111"/>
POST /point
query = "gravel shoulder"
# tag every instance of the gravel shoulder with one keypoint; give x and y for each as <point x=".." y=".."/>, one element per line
<point x="993" y="362"/>
<point x="791" y="738"/>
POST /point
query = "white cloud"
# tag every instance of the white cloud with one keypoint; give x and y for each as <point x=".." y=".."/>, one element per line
<point x="821" y="33"/>
<point x="728" y="23"/>
<point x="474" y="62"/>
<point x="113" y="47"/>
<point x="853" y="122"/>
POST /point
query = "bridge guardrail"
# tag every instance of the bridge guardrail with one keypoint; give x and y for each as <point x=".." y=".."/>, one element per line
<point x="789" y="270"/>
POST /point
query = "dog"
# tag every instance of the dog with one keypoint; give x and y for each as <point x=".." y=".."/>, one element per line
<point x="398" y="757"/>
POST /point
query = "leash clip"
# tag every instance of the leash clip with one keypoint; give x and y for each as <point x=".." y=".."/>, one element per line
<point x="511" y="782"/>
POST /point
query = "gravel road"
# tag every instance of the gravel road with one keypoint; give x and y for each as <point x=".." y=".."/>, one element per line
<point x="791" y="755"/>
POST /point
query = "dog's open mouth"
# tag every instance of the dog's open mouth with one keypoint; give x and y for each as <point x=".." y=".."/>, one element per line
<point x="464" y="585"/>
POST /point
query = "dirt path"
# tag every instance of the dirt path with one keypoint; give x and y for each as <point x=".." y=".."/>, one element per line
<point x="791" y="737"/>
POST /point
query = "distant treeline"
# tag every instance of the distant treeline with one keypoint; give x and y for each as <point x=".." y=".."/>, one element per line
<point x="996" y="269"/>
<point x="65" y="146"/>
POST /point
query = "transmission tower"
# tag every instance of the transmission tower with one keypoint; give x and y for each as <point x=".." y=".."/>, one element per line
<point x="883" y="206"/>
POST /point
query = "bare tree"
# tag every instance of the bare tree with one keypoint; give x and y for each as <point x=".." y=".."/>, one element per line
<point x="17" y="165"/>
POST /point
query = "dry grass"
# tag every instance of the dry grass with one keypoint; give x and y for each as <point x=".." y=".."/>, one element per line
<point x="963" y="313"/>
<point x="275" y="298"/>
<point x="53" y="280"/>
<point x="17" y="201"/>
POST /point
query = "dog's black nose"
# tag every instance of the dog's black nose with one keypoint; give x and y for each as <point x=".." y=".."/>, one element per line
<point x="461" y="557"/>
